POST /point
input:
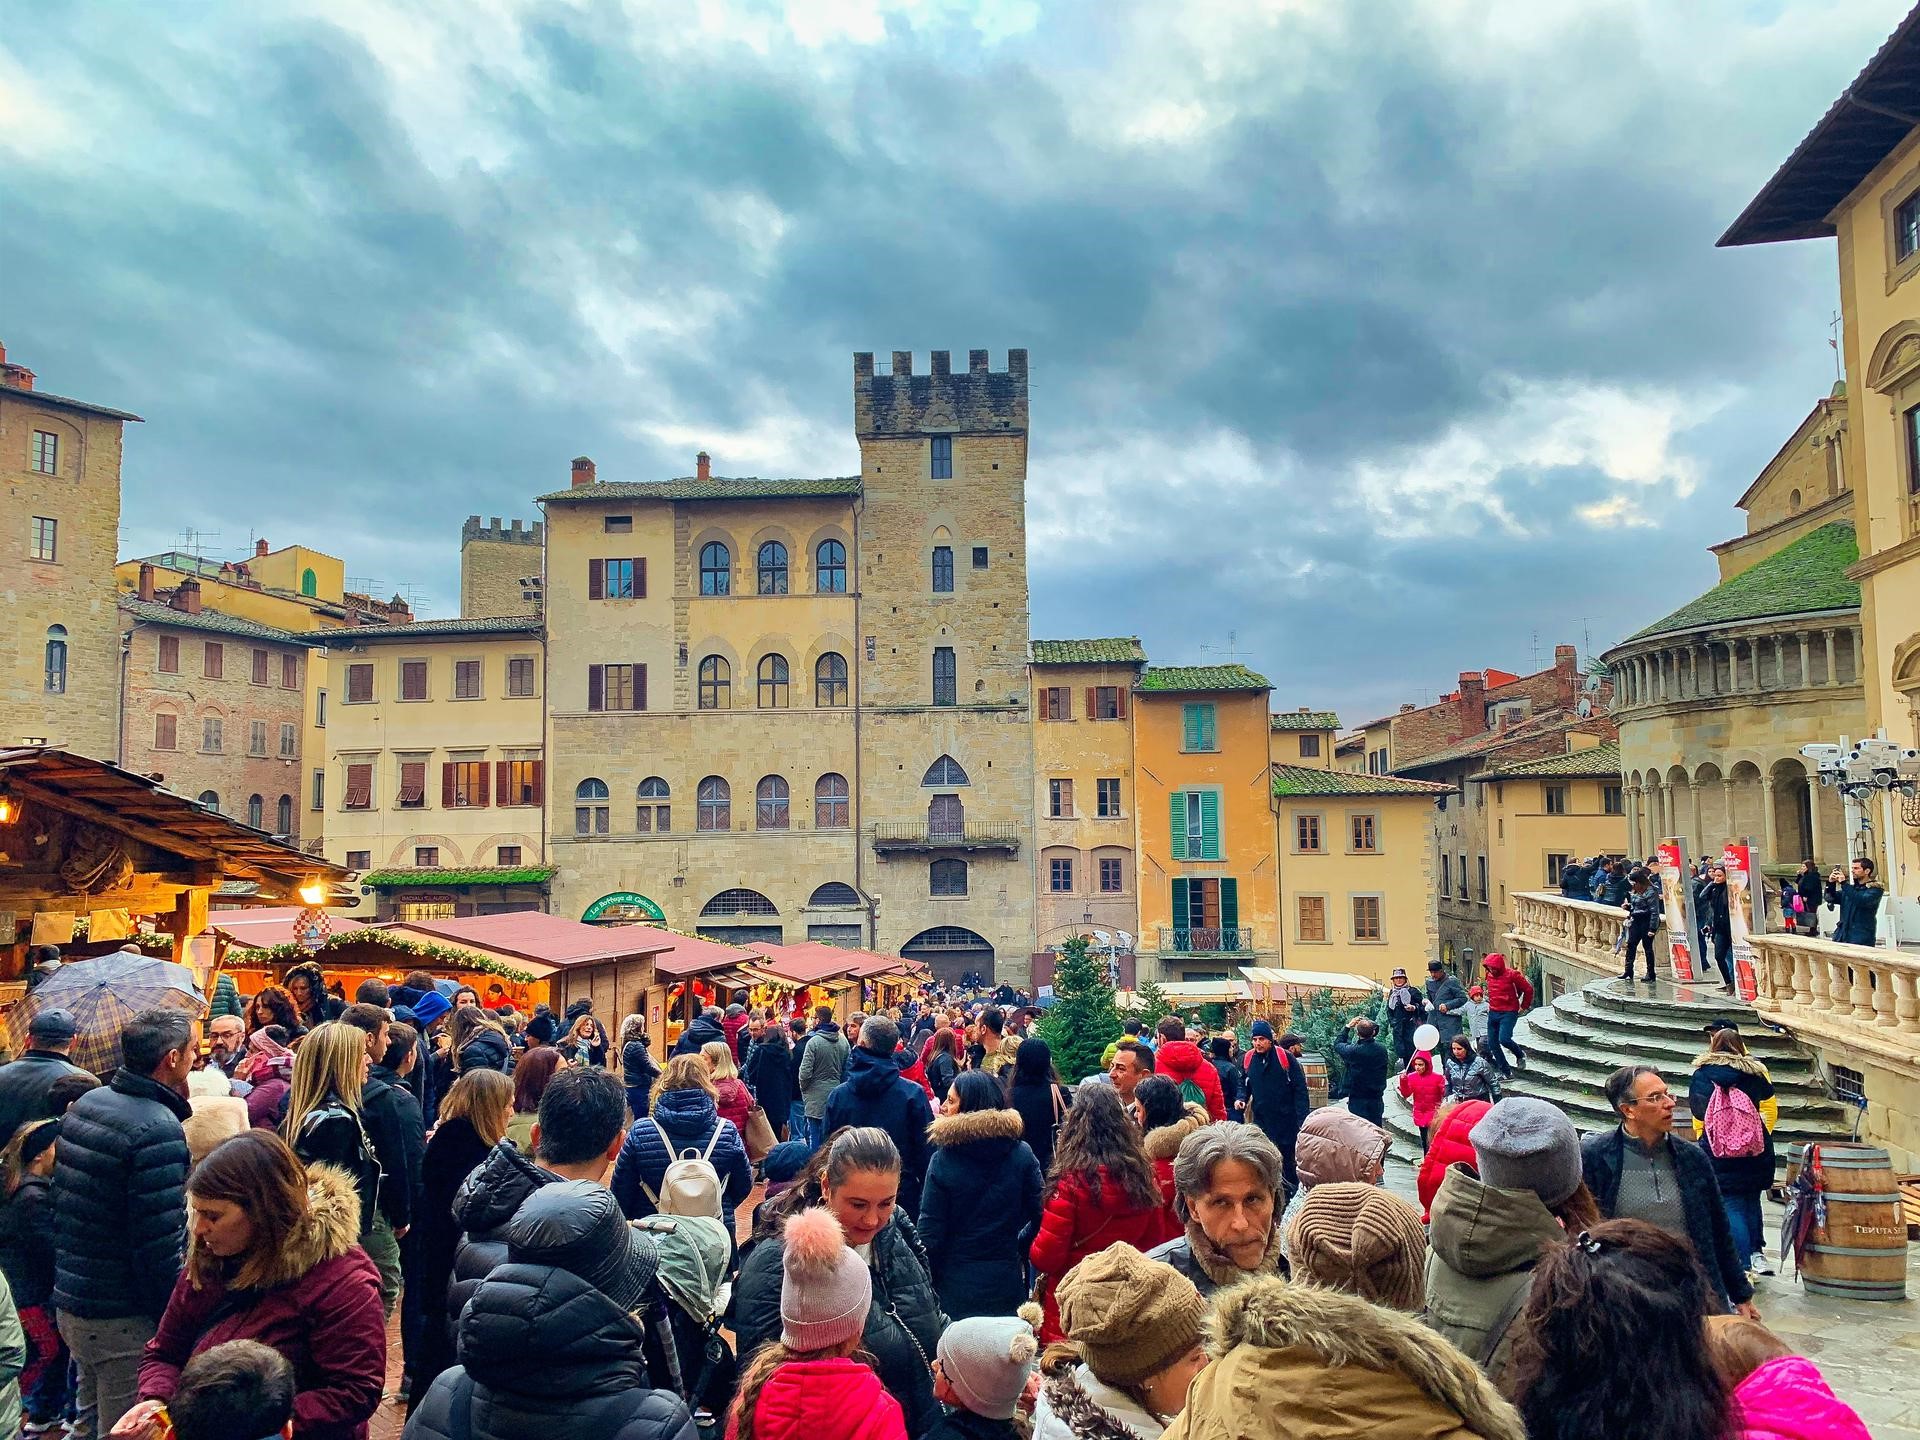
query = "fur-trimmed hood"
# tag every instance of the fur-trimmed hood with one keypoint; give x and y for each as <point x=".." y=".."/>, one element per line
<point x="1745" y="1064"/>
<point x="331" y="1228"/>
<point x="974" y="1125"/>
<point x="1163" y="1141"/>
<point x="1075" y="1404"/>
<point x="1321" y="1363"/>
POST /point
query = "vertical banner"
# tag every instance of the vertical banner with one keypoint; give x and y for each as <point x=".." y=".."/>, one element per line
<point x="1676" y="893"/>
<point x="1746" y="909"/>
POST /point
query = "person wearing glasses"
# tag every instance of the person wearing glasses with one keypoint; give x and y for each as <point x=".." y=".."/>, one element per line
<point x="1640" y="1170"/>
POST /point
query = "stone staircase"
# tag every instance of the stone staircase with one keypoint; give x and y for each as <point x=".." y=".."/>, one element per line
<point x="1573" y="1044"/>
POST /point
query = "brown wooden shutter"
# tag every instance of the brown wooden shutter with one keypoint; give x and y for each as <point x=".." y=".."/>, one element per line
<point x="480" y="796"/>
<point x="1093" y="703"/>
<point x="446" y="786"/>
<point x="639" y="577"/>
<point x="596" y="579"/>
<point x="1120" y="701"/>
<point x="539" y="781"/>
<point x="359" y="794"/>
<point x="639" y="687"/>
<point x="596" y="688"/>
<point x="503" y="782"/>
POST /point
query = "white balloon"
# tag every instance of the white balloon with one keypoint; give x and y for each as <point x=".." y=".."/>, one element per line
<point x="1426" y="1037"/>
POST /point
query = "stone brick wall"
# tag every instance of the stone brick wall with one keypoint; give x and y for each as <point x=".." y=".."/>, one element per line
<point x="75" y="590"/>
<point x="494" y="559"/>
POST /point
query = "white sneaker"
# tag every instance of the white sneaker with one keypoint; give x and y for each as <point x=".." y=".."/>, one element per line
<point x="1759" y="1264"/>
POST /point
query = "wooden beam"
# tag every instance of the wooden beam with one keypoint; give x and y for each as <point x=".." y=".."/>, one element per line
<point x="164" y="840"/>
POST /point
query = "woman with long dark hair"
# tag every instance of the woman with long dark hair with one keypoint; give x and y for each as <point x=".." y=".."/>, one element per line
<point x="272" y="1005"/>
<point x="1612" y="1341"/>
<point x="1101" y="1189"/>
<point x="981" y="1200"/>
<point x="1034" y="1089"/>
<point x="1734" y="1111"/>
<point x="530" y="1077"/>
<point x="940" y="1058"/>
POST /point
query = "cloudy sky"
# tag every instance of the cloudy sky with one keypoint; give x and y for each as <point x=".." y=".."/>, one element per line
<point x="1373" y="342"/>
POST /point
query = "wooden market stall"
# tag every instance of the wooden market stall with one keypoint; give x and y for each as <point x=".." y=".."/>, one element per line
<point x="611" y="966"/>
<point x="811" y="973"/>
<point x="93" y="855"/>
<point x="1273" y="990"/>
<point x="262" y="955"/>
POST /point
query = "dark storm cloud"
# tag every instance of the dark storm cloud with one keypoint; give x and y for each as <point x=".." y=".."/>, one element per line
<point x="1337" y="326"/>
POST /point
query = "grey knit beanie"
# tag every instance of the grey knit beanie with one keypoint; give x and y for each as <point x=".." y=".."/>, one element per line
<point x="987" y="1360"/>
<point x="1527" y="1144"/>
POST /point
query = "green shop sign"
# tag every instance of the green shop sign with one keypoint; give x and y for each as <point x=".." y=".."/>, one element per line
<point x="623" y="905"/>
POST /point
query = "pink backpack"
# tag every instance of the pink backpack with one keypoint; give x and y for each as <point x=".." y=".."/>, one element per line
<point x="1733" y="1126"/>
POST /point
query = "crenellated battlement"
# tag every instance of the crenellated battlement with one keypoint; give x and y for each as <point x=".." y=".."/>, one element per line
<point x="979" y="401"/>
<point x="532" y="532"/>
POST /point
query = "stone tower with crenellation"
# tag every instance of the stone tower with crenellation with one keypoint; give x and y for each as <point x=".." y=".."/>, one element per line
<point x="500" y="567"/>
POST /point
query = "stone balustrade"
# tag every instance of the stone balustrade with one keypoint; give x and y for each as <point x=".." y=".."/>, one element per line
<point x="1577" y="931"/>
<point x="1862" y="996"/>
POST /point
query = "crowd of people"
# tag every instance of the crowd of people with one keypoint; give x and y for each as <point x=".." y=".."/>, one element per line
<point x="950" y="1239"/>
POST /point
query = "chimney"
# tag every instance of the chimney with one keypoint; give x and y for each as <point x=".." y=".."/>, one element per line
<point x="353" y="613"/>
<point x="583" y="471"/>
<point x="703" y="466"/>
<point x="399" y="612"/>
<point x="1566" y="670"/>
<point x="186" y="596"/>
<point x="259" y="548"/>
<point x="14" y="377"/>
<point x="1473" y="703"/>
<point x="145" y="592"/>
<point x="1408" y="708"/>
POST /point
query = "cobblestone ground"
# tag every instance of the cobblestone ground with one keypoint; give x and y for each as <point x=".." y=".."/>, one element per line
<point x="1863" y="1349"/>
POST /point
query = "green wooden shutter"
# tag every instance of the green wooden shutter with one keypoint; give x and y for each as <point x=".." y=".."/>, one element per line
<point x="1180" y="904"/>
<point x="1229" y="914"/>
<point x="1177" y="820"/>
<point x="1209" y="826"/>
<point x="1209" y="737"/>
<point x="1189" y="727"/>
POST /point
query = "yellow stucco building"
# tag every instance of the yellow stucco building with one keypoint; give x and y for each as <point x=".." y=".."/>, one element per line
<point x="1856" y="178"/>
<point x="434" y="773"/>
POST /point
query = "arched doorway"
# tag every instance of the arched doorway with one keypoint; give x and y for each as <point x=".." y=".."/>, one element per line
<point x="623" y="907"/>
<point x="1792" y="814"/>
<point x="951" y="951"/>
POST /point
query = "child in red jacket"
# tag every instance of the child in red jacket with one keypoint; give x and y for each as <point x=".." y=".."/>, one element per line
<point x="1425" y="1091"/>
<point x="807" y="1385"/>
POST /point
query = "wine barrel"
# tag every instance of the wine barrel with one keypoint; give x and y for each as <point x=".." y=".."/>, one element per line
<point x="1316" y="1068"/>
<point x="1861" y="1250"/>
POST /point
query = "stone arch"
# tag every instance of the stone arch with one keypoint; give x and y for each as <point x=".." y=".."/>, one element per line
<point x="1715" y="815"/>
<point x="719" y="534"/>
<point x="1749" y="802"/>
<point x="489" y="845"/>
<point x="838" y="534"/>
<point x="1896" y="356"/>
<point x="71" y="461"/>
<point x="1792" y="814"/>
<point x="401" y="855"/>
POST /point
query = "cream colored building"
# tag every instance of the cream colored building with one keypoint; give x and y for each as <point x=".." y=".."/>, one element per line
<point x="435" y="775"/>
<point x="1548" y="812"/>
<point x="1083" y="786"/>
<point x="60" y="639"/>
<point x="798" y="709"/>
<point x="1304" y="737"/>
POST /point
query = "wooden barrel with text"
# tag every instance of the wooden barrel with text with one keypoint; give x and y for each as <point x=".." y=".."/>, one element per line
<point x="1861" y="1250"/>
<point x="1316" y="1068"/>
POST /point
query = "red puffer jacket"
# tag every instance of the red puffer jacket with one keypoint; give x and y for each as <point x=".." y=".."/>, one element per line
<point x="823" y="1400"/>
<point x="1448" y="1147"/>
<point x="733" y="1101"/>
<point x="319" y="1306"/>
<point x="1181" y="1061"/>
<point x="1507" y="989"/>
<point x="1074" y="1225"/>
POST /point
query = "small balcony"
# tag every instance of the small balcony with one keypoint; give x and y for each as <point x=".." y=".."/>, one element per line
<point x="1206" y="940"/>
<point x="891" y="837"/>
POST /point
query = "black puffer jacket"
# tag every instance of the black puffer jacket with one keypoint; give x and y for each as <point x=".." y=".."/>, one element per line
<point x="334" y="1133"/>
<point x="903" y="1322"/>
<point x="24" y="1085"/>
<point x="769" y="1074"/>
<point x="26" y="1242"/>
<point x="978" y="1212"/>
<point x="486" y="1201"/>
<point x="544" y="1354"/>
<point x="698" y="1033"/>
<point x="120" y="1200"/>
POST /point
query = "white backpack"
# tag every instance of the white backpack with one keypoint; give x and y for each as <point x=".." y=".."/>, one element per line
<point x="691" y="1184"/>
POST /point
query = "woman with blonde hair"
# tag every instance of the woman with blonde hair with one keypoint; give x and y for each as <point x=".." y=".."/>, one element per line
<point x="323" y="1124"/>
<point x="730" y="1095"/>
<point x="685" y="1124"/>
<point x="473" y="1119"/>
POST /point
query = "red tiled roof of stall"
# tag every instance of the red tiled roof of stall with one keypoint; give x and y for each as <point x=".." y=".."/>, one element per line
<point x="553" y="939"/>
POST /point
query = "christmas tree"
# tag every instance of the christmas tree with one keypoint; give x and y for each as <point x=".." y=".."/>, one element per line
<point x="1082" y="1022"/>
<point x="1151" y="1003"/>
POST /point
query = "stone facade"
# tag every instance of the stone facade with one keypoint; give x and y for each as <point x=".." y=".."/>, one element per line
<point x="497" y="562"/>
<point x="60" y="639"/>
<point x="216" y="707"/>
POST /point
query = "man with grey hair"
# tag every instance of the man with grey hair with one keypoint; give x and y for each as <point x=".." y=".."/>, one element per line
<point x="1226" y="1184"/>
<point x="876" y="1093"/>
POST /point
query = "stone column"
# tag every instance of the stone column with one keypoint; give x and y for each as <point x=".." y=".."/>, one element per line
<point x="1631" y="794"/>
<point x="1813" y="812"/>
<point x="1769" y="825"/>
<point x="1833" y="671"/>
<point x="1806" y="657"/>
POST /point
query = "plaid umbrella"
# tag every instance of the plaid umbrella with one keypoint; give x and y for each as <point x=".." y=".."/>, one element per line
<point x="103" y="994"/>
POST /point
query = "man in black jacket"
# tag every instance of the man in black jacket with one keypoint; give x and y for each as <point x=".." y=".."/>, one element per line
<point x="1274" y="1084"/>
<point x="1639" y="1170"/>
<point x="876" y="1093"/>
<point x="120" y="1213"/>
<point x="1859" y="902"/>
<point x="24" y="1083"/>
<point x="1366" y="1061"/>
<point x="399" y="1135"/>
<point x="705" y="1027"/>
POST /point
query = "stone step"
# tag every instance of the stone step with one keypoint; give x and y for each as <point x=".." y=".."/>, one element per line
<point x="1589" y="1010"/>
<point x="1815" y="1114"/>
<point x="1562" y="1033"/>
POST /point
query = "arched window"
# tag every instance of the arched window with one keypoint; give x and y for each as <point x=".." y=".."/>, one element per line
<point x="947" y="877"/>
<point x="945" y="771"/>
<point x="309" y="583"/>
<point x="834" y="892"/>
<point x="830" y="680"/>
<point x="773" y="682"/>
<point x="832" y="810"/>
<point x="591" y="813"/>
<point x="713" y="805"/>
<point x="830" y="568"/>
<point x="256" y="811"/>
<point x="770" y="808"/>
<point x="283" y="816"/>
<point x="716" y="569"/>
<point x="773" y="568"/>
<point x="716" y="684"/>
<point x="655" y="815"/>
<point x="737" y="902"/>
<point x="56" y="659"/>
<point x="210" y="800"/>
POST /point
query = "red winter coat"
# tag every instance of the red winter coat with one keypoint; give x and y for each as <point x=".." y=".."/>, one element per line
<point x="1074" y="1225"/>
<point x="1448" y="1147"/>
<point x="917" y="1072"/>
<point x="1508" y="990"/>
<point x="733" y="1101"/>
<point x="319" y="1307"/>
<point x="1180" y="1061"/>
<point x="1425" y="1093"/>
<point x="838" y="1399"/>
<point x="731" y="1027"/>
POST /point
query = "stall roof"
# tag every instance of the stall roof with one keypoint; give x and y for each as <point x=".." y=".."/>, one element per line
<point x="550" y="940"/>
<point x="401" y="951"/>
<point x="272" y="925"/>
<point x="1307" y="979"/>
<point x="813" y="962"/>
<point x="143" y="810"/>
<point x="1189" y="992"/>
<point x="675" y="956"/>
